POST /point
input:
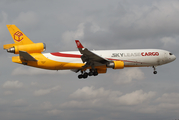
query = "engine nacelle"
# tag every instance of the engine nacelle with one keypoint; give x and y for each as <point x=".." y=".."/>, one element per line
<point x="116" y="64"/>
<point x="30" y="48"/>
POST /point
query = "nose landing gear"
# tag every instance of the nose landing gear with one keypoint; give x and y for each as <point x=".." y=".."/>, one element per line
<point x="155" y="72"/>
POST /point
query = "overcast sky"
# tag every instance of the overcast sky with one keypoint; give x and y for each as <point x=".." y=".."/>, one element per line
<point x="28" y="93"/>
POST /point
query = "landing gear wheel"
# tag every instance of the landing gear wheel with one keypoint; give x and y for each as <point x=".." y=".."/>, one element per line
<point x="85" y="75"/>
<point x="90" y="73"/>
<point x="95" y="73"/>
<point x="80" y="76"/>
<point x="155" y="72"/>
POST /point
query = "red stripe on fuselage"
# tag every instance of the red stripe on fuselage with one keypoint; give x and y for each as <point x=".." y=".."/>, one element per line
<point x="66" y="55"/>
<point x="58" y="54"/>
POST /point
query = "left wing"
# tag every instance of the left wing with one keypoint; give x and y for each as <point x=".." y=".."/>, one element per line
<point x="90" y="58"/>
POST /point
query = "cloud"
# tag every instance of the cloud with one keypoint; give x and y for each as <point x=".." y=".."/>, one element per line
<point x="8" y="93"/>
<point x="78" y="34"/>
<point x="169" y="106"/>
<point x="46" y="105"/>
<point x="136" y="97"/>
<point x="3" y="33"/>
<point x="93" y="103"/>
<point x="168" y="98"/>
<point x="36" y="71"/>
<point x="167" y="41"/>
<point x="29" y="18"/>
<point x="34" y="83"/>
<point x="127" y="75"/>
<point x="91" y="97"/>
<point x="54" y="112"/>
<point x="3" y="101"/>
<point x="13" y="84"/>
<point x="144" y="23"/>
<point x="3" y="20"/>
<point x="167" y="103"/>
<point x="91" y="92"/>
<point x="19" y="102"/>
<point x="96" y="28"/>
<point x="42" y="92"/>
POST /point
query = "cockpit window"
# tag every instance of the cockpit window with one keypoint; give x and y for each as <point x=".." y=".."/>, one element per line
<point x="170" y="54"/>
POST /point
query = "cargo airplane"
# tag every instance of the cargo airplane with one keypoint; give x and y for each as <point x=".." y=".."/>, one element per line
<point x="96" y="61"/>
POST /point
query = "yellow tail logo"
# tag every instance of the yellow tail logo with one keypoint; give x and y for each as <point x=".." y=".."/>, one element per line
<point x="18" y="36"/>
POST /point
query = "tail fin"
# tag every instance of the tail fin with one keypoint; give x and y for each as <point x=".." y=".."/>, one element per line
<point x="22" y="43"/>
<point x="18" y="36"/>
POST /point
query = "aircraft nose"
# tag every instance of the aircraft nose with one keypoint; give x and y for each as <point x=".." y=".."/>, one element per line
<point x="171" y="57"/>
<point x="174" y="57"/>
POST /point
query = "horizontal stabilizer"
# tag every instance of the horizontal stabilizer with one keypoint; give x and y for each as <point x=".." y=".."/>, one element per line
<point x="26" y="56"/>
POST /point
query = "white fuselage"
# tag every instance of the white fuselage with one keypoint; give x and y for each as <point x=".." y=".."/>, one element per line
<point x="131" y="58"/>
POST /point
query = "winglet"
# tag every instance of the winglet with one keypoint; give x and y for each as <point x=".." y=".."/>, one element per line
<point x="79" y="45"/>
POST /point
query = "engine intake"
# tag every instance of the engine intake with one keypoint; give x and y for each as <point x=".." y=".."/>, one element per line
<point x="116" y="64"/>
<point x="30" y="48"/>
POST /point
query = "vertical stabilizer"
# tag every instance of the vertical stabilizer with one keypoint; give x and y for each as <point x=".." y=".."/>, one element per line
<point x="18" y="36"/>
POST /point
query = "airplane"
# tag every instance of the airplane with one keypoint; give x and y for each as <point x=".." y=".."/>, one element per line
<point x="96" y="61"/>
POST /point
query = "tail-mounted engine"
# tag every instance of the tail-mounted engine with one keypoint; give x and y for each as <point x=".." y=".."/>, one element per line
<point x="30" y="48"/>
<point x="116" y="64"/>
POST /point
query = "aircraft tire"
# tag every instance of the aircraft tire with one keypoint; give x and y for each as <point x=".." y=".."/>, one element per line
<point x="80" y="76"/>
<point x="95" y="73"/>
<point x="85" y="75"/>
<point x="155" y="72"/>
<point x="90" y="73"/>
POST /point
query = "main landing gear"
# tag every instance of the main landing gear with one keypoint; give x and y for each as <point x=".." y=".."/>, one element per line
<point x="155" y="72"/>
<point x="85" y="74"/>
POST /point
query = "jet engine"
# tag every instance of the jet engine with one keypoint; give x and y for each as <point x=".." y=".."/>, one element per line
<point x="116" y="64"/>
<point x="30" y="48"/>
